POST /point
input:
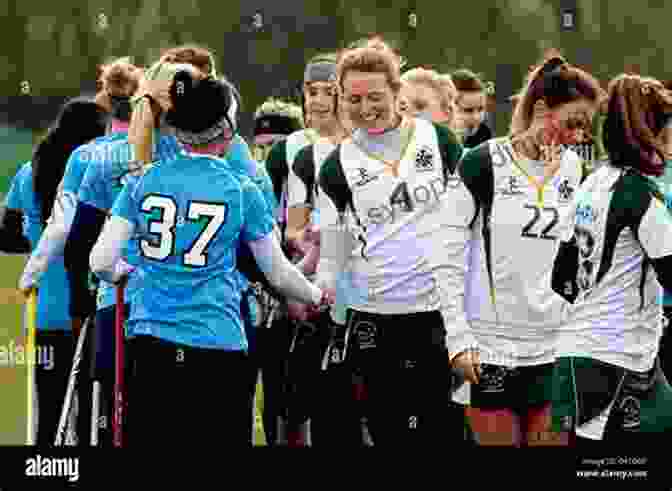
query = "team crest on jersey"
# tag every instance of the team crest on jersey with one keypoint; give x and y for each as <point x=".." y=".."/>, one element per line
<point x="630" y="410"/>
<point x="565" y="191"/>
<point x="424" y="160"/>
<point x="364" y="177"/>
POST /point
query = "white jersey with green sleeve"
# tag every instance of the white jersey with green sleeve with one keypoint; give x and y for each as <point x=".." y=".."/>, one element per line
<point x="515" y="319"/>
<point x="619" y="221"/>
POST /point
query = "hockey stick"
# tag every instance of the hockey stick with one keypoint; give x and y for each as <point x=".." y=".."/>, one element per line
<point x="119" y="401"/>
<point x="72" y="381"/>
<point x="31" y="318"/>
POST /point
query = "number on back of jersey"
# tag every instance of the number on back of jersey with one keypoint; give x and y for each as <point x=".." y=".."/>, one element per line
<point x="164" y="229"/>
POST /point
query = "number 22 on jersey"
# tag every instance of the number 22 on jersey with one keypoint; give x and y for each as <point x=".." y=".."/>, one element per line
<point x="165" y="229"/>
<point x="549" y="218"/>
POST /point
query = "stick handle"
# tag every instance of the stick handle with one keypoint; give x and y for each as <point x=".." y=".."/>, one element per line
<point x="31" y="318"/>
<point x="119" y="369"/>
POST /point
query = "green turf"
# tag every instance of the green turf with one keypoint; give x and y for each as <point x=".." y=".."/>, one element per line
<point x="12" y="378"/>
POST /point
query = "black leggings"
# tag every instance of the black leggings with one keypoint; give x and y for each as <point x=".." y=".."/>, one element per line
<point x="55" y="352"/>
<point x="404" y="363"/>
<point x="188" y="397"/>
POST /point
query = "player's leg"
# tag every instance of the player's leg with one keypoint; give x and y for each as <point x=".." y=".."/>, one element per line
<point x="274" y="343"/>
<point x="251" y="334"/>
<point x="218" y="413"/>
<point x="428" y="380"/>
<point x="534" y="386"/>
<point x="155" y="398"/>
<point x="55" y="350"/>
<point x="336" y="417"/>
<point x="491" y="414"/>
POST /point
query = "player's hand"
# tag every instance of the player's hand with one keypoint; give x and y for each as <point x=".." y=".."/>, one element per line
<point x="297" y="311"/>
<point x="27" y="283"/>
<point x="122" y="271"/>
<point x="312" y="234"/>
<point x="328" y="299"/>
<point x="468" y="363"/>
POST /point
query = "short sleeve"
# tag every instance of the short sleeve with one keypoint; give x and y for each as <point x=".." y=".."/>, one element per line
<point x="301" y="180"/>
<point x="75" y="169"/>
<point x="93" y="190"/>
<point x="276" y="166"/>
<point x="451" y="148"/>
<point x="13" y="200"/>
<point x="476" y="173"/>
<point x="258" y="221"/>
<point x="126" y="206"/>
<point x="333" y="182"/>
<point x="263" y="180"/>
<point x="655" y="230"/>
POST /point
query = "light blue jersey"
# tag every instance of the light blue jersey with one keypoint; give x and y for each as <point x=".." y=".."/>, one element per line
<point x="53" y="301"/>
<point x="190" y="215"/>
<point x="78" y="162"/>
<point x="104" y="179"/>
<point x="242" y="163"/>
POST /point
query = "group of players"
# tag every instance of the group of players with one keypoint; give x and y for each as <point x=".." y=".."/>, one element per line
<point x="390" y="268"/>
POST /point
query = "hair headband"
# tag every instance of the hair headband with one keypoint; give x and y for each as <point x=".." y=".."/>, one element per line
<point x="320" y="71"/>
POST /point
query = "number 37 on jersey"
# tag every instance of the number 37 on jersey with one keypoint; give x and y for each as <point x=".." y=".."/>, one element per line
<point x="163" y="240"/>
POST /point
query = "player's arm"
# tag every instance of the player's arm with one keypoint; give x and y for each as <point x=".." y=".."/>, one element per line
<point x="336" y="240"/>
<point x="55" y="234"/>
<point x="106" y="256"/>
<point x="86" y="227"/>
<point x="654" y="232"/>
<point x="468" y="192"/>
<point x="12" y="240"/>
<point x="300" y="199"/>
<point x="258" y="234"/>
<point x="277" y="169"/>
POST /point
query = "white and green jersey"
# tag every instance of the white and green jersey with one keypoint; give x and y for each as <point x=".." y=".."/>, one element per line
<point x="515" y="314"/>
<point x="302" y="188"/>
<point x="413" y="224"/>
<point x="619" y="221"/>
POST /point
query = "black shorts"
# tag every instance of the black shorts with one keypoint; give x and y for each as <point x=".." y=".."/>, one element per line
<point x="187" y="397"/>
<point x="517" y="388"/>
<point x="404" y="363"/>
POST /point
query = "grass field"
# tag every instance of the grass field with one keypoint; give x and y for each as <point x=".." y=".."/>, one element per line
<point x="13" y="378"/>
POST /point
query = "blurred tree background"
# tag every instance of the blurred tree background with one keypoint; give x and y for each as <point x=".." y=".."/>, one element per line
<point x="50" y="49"/>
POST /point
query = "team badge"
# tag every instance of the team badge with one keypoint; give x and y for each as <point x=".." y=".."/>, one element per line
<point x="424" y="160"/>
<point x="565" y="191"/>
<point x="630" y="409"/>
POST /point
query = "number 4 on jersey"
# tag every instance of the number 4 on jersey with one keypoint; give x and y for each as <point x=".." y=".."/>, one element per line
<point x="164" y="245"/>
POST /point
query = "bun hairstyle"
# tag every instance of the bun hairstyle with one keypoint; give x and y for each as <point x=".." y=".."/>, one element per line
<point x="555" y="83"/>
<point x="203" y="110"/>
<point x="638" y="110"/>
<point x="192" y="54"/>
<point x="117" y="81"/>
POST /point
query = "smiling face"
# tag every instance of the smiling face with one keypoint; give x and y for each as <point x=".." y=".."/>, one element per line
<point x="369" y="100"/>
<point x="320" y="100"/>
